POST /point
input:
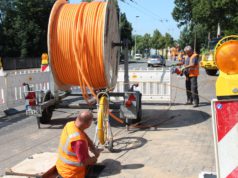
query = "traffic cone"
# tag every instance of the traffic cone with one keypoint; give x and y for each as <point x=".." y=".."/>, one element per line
<point x="2" y="73"/>
<point x="44" y="63"/>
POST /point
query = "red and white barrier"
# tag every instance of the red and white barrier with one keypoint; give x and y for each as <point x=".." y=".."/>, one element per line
<point x="225" y="129"/>
<point x="45" y="68"/>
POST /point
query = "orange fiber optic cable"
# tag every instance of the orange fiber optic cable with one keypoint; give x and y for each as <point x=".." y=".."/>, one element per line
<point x="77" y="53"/>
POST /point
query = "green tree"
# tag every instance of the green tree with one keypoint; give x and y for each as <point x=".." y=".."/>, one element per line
<point x="147" y="41"/>
<point x="169" y="41"/>
<point x="24" y="25"/>
<point x="158" y="40"/>
<point x="200" y="17"/>
<point x="125" y="28"/>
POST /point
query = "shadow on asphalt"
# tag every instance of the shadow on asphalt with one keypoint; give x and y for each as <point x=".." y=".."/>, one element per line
<point x="114" y="167"/>
<point x="201" y="104"/>
<point x="7" y="121"/>
<point x="153" y="119"/>
<point x="57" y="123"/>
<point x="158" y="120"/>
<point x="128" y="143"/>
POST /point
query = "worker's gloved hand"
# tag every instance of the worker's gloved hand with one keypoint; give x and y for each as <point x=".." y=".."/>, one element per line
<point x="96" y="151"/>
<point x="173" y="65"/>
<point x="183" y="68"/>
<point x="93" y="160"/>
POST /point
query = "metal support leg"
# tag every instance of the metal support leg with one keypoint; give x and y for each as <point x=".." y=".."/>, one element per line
<point x="126" y="66"/>
<point x="38" y="122"/>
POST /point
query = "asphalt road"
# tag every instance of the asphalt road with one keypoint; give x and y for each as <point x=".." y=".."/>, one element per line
<point x="181" y="144"/>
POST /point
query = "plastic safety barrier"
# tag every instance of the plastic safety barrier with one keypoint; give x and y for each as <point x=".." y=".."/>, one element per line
<point x="225" y="129"/>
<point x="155" y="84"/>
<point x="11" y="86"/>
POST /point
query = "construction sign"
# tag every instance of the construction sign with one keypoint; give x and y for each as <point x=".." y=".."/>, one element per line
<point x="225" y="129"/>
<point x="45" y="63"/>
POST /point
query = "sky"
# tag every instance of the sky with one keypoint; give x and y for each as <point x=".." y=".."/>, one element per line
<point x="148" y="15"/>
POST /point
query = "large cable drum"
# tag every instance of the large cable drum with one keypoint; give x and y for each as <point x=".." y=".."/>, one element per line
<point x="80" y="38"/>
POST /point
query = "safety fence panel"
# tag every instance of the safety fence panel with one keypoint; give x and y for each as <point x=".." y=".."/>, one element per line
<point x="11" y="86"/>
<point x="155" y="85"/>
<point x="225" y="131"/>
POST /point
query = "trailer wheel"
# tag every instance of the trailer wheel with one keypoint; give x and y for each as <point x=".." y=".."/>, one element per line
<point x="139" y="113"/>
<point x="47" y="112"/>
<point x="110" y="146"/>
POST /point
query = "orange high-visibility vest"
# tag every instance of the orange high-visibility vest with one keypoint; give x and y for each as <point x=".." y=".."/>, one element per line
<point x="67" y="164"/>
<point x="194" y="71"/>
<point x="180" y="56"/>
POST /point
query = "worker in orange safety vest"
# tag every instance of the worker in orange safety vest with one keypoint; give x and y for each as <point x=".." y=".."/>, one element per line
<point x="174" y="53"/>
<point x="73" y="151"/>
<point x="191" y="70"/>
<point x="180" y="55"/>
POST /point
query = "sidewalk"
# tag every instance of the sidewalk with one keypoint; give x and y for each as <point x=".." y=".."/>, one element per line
<point x="179" y="146"/>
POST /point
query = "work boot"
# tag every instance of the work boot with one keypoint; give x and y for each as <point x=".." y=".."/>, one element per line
<point x="196" y="105"/>
<point x="189" y="102"/>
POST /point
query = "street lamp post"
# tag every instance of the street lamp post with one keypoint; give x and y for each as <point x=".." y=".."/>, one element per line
<point x="135" y="35"/>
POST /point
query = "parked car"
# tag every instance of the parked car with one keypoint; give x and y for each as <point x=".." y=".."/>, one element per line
<point x="156" y="60"/>
<point x="138" y="56"/>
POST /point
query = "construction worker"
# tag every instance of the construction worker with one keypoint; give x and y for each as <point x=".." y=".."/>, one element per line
<point x="73" y="152"/>
<point x="174" y="53"/>
<point x="191" y="71"/>
<point x="180" y="56"/>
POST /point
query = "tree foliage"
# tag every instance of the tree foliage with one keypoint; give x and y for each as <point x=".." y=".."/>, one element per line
<point x="201" y="17"/>
<point x="23" y="27"/>
<point x="157" y="41"/>
<point x="125" y="28"/>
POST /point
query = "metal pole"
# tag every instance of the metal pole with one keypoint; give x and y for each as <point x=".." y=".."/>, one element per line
<point x="135" y="34"/>
<point x="126" y="70"/>
<point x="195" y="41"/>
<point x="135" y="44"/>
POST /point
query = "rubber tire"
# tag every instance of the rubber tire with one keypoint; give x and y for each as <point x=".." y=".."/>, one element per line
<point x="211" y="72"/>
<point x="47" y="112"/>
<point x="110" y="146"/>
<point x="148" y="65"/>
<point x="139" y="114"/>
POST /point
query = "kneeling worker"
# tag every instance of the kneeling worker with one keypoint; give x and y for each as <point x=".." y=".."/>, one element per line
<point x="73" y="154"/>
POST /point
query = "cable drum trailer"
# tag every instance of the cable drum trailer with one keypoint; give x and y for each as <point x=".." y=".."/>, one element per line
<point x="42" y="103"/>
